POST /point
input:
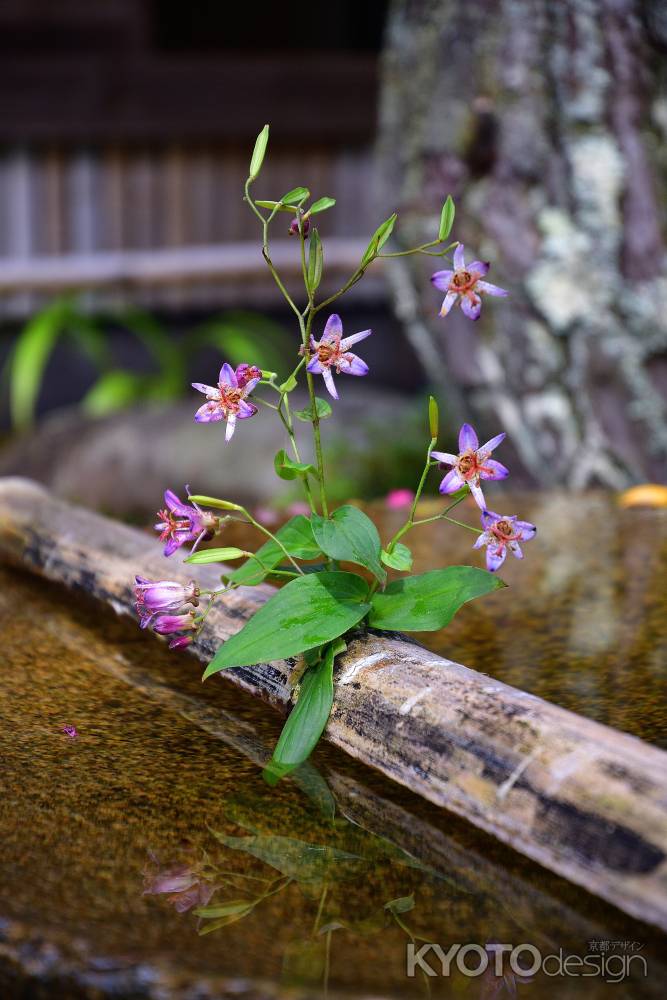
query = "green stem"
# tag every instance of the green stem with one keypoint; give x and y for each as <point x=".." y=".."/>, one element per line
<point x="315" y="420"/>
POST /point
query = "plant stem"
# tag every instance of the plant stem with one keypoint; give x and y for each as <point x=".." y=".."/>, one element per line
<point x="274" y="538"/>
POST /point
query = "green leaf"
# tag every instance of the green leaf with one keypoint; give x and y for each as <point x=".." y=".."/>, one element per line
<point x="294" y="196"/>
<point x="315" y="261"/>
<point x="214" y="502"/>
<point x="321" y="205"/>
<point x="401" y="905"/>
<point x="297" y="859"/>
<point x="309" y="611"/>
<point x="379" y="238"/>
<point x="226" y="909"/>
<point x="446" y="218"/>
<point x="321" y="406"/>
<point x="428" y="602"/>
<point x="30" y="357"/>
<point x="287" y="469"/>
<point x="114" y="390"/>
<point x="215" y="555"/>
<point x="297" y="537"/>
<point x="351" y="536"/>
<point x="399" y="558"/>
<point x="289" y="384"/>
<point x="309" y="716"/>
<point x="258" y="152"/>
<point x="433" y="417"/>
<point x="276" y="204"/>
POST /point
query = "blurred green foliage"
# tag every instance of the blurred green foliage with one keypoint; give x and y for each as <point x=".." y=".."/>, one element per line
<point x="238" y="335"/>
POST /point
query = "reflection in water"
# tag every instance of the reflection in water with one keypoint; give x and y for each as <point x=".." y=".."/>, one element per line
<point x="218" y="887"/>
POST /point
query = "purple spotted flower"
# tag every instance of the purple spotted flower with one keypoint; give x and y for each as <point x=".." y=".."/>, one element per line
<point x="186" y="885"/>
<point x="227" y="401"/>
<point x="182" y="523"/>
<point x="70" y="732"/>
<point x="465" y="282"/>
<point x="333" y="351"/>
<point x="472" y="464"/>
<point x="503" y="532"/>
<point x="158" y="596"/>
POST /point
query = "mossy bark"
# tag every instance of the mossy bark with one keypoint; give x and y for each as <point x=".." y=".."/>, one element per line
<point x="547" y="123"/>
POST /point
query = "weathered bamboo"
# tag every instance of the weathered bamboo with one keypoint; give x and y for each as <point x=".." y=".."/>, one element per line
<point x="585" y="801"/>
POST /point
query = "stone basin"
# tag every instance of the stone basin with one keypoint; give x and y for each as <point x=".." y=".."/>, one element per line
<point x="163" y="774"/>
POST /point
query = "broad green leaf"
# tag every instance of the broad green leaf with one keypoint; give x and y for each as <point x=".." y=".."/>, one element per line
<point x="297" y="537"/>
<point x="433" y="417"/>
<point x="321" y="205"/>
<point x="289" y="384"/>
<point x="309" y="716"/>
<point x="322" y="407"/>
<point x="315" y="261"/>
<point x="215" y="555"/>
<point x="379" y="238"/>
<point x="399" y="558"/>
<point x="351" y="536"/>
<point x="258" y="152"/>
<point x="446" y="218"/>
<point x="311" y="610"/>
<point x="287" y="469"/>
<point x="428" y="602"/>
<point x="294" y="196"/>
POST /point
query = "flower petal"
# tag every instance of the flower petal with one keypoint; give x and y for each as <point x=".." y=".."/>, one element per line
<point x="482" y="540"/>
<point x="246" y="409"/>
<point x="527" y="530"/>
<point x="231" y="426"/>
<point x="208" y="413"/>
<point x="333" y="328"/>
<point x="329" y="382"/>
<point x="172" y="544"/>
<point x="471" y="305"/>
<point x="315" y="366"/>
<point x="347" y="342"/>
<point x="493" y="443"/>
<point x="476" y="491"/>
<point x="494" y="470"/>
<point x="228" y="376"/>
<point x="451" y="483"/>
<point x="444" y="456"/>
<point x="353" y="365"/>
<point x="480" y="267"/>
<point x="250" y="385"/>
<point x="448" y="301"/>
<point x="174" y="504"/>
<point x="495" y="557"/>
<point x="468" y="440"/>
<point x="489" y="289"/>
<point x="442" y="280"/>
<point x="459" y="259"/>
<point x="516" y="550"/>
<point x="208" y="390"/>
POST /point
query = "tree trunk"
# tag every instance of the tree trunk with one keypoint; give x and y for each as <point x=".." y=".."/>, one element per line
<point x="547" y="123"/>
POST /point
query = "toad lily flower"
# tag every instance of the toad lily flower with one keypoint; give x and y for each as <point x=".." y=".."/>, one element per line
<point x="227" y="401"/>
<point x="154" y="596"/>
<point x="181" y="523"/>
<point x="471" y="464"/>
<point x="503" y="532"/>
<point x="465" y="281"/>
<point x="333" y="351"/>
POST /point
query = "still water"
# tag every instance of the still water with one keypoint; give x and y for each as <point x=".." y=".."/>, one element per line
<point x="147" y="858"/>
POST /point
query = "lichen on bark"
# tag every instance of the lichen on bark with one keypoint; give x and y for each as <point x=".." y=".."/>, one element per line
<point x="547" y="123"/>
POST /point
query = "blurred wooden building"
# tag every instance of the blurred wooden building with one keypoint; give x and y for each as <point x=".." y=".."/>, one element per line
<point x="126" y="127"/>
